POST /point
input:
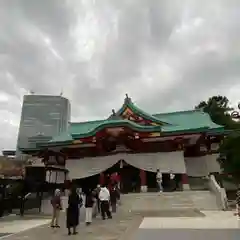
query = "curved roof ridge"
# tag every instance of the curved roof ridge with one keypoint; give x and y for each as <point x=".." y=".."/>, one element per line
<point x="177" y="112"/>
<point x="93" y="121"/>
<point x="144" y="112"/>
<point x="129" y="103"/>
<point x="117" y="123"/>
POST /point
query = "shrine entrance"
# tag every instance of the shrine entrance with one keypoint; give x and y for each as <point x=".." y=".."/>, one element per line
<point x="129" y="176"/>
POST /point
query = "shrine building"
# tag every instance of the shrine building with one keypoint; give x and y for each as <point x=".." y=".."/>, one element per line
<point x="135" y="144"/>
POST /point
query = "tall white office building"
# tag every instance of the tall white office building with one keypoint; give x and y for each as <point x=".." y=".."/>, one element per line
<point x="43" y="117"/>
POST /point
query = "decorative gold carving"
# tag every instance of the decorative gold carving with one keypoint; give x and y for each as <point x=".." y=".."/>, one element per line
<point x="155" y="134"/>
<point x="155" y="124"/>
<point x="74" y="146"/>
<point x="77" y="141"/>
<point x="127" y="113"/>
<point x="84" y="145"/>
<point x="130" y="115"/>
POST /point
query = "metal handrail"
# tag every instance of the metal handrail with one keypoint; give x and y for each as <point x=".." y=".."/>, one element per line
<point x="27" y="195"/>
<point x="22" y="207"/>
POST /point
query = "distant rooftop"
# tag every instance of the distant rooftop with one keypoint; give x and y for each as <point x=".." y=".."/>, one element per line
<point x="9" y="153"/>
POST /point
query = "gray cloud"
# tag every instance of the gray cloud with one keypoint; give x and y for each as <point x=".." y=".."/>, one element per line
<point x="168" y="55"/>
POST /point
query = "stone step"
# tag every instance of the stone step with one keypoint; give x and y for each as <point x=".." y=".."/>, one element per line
<point x="202" y="200"/>
<point x="209" y="220"/>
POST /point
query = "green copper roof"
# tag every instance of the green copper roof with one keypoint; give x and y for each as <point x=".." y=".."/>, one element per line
<point x="187" y="119"/>
<point x="65" y="136"/>
<point x="94" y="128"/>
<point x="178" y="122"/>
<point x="193" y="121"/>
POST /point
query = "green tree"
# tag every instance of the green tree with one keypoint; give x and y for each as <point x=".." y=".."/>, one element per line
<point x="230" y="156"/>
<point x="219" y="110"/>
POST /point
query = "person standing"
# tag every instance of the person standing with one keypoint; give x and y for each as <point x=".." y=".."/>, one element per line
<point x="108" y="181"/>
<point x="118" y="195"/>
<point x="79" y="192"/>
<point x="113" y="198"/>
<point x="238" y="202"/>
<point x="74" y="201"/>
<point x="9" y="198"/>
<point x="104" y="197"/>
<point x="159" y="180"/>
<point x="97" y="197"/>
<point x="1" y="200"/>
<point x="172" y="181"/>
<point x="56" y="206"/>
<point x="115" y="179"/>
<point x="89" y="202"/>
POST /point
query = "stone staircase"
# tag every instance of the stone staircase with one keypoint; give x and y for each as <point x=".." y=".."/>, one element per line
<point x="198" y="184"/>
<point x="186" y="203"/>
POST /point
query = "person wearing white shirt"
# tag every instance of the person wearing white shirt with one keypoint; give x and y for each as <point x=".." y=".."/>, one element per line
<point x="159" y="180"/>
<point x="104" y="197"/>
<point x="172" y="181"/>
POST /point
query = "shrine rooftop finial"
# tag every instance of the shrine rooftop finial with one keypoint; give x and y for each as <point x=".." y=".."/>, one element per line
<point x="127" y="98"/>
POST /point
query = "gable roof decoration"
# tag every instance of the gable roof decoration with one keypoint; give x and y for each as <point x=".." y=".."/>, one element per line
<point x="129" y="111"/>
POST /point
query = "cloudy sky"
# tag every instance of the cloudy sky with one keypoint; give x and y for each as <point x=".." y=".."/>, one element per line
<point x="167" y="55"/>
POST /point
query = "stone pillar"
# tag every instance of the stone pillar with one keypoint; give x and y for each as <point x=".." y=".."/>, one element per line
<point x="185" y="182"/>
<point x="143" y="177"/>
<point x="101" y="179"/>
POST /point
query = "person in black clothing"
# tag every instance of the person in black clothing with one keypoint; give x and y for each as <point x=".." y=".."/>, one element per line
<point x="9" y="198"/>
<point x="97" y="191"/>
<point x="1" y="200"/>
<point x="89" y="206"/>
<point x="238" y="201"/>
<point x="74" y="203"/>
<point x="96" y="206"/>
<point x="113" y="198"/>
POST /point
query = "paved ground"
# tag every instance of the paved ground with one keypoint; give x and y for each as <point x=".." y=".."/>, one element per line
<point x="4" y="234"/>
<point x="187" y="234"/>
<point x="100" y="230"/>
<point x="211" y="220"/>
<point x="14" y="225"/>
<point x="141" y="216"/>
<point x="215" y="225"/>
<point x="112" y="229"/>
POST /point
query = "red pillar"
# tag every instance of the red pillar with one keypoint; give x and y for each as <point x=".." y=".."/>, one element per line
<point x="185" y="182"/>
<point x="101" y="179"/>
<point x="143" y="177"/>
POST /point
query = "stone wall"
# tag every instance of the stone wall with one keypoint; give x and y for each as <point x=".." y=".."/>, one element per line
<point x="202" y="166"/>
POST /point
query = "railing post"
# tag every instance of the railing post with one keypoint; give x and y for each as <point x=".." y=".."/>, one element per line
<point x="22" y="203"/>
